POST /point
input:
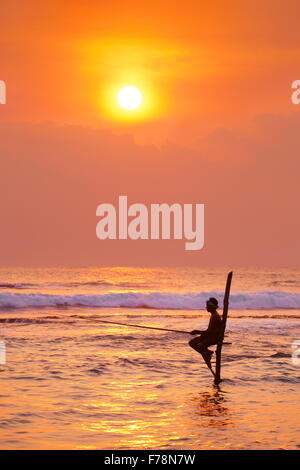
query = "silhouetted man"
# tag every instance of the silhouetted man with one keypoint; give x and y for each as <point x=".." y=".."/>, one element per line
<point x="211" y="335"/>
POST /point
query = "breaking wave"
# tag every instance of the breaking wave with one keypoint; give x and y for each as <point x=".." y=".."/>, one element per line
<point x="17" y="285"/>
<point x="60" y="285"/>
<point x="264" y="300"/>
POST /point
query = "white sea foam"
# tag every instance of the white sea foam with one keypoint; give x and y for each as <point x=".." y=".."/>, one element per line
<point x="264" y="300"/>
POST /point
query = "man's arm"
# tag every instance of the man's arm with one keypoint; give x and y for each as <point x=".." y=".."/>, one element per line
<point x="197" y="332"/>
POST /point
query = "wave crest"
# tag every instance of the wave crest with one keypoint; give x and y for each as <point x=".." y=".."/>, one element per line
<point x="264" y="300"/>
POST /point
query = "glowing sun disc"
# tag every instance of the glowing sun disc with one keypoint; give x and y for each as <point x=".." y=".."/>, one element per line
<point x="130" y="98"/>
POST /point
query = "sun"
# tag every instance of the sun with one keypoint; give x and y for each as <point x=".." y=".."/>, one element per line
<point x="130" y="98"/>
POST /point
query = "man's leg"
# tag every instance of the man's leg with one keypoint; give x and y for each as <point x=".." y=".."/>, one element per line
<point x="200" y="345"/>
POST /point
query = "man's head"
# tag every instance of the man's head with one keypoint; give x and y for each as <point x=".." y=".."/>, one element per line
<point x="212" y="304"/>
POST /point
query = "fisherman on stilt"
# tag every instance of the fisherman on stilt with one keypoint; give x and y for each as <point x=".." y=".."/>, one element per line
<point x="210" y="336"/>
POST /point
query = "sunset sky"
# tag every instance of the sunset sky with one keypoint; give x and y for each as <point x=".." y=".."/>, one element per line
<point x="217" y="126"/>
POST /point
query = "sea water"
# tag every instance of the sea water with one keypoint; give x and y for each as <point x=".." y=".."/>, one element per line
<point x="70" y="381"/>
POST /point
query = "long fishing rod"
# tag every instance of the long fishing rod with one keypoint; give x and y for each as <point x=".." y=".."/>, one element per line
<point x="136" y="326"/>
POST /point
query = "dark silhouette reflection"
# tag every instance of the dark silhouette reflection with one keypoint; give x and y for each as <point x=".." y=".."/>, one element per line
<point x="210" y="407"/>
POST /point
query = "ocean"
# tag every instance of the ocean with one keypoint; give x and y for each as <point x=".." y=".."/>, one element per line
<point x="69" y="381"/>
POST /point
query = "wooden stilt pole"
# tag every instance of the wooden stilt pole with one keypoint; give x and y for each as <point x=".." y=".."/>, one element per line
<point x="224" y="319"/>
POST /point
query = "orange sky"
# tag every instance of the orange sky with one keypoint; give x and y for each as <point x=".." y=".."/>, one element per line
<point x="206" y="63"/>
<point x="221" y="129"/>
